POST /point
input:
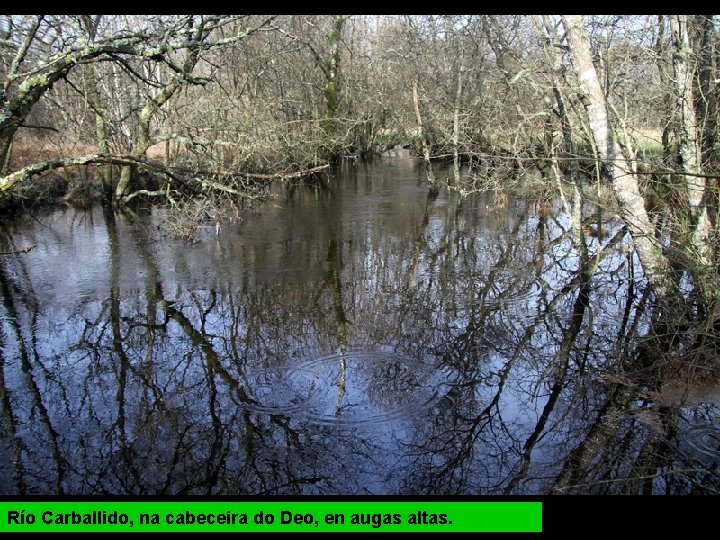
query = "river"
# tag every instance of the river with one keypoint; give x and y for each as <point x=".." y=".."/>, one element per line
<point x="352" y="338"/>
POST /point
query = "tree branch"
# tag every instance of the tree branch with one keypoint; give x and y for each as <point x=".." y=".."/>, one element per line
<point x="20" y="56"/>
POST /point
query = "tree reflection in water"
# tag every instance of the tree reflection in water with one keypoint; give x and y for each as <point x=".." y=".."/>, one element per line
<point x="363" y="339"/>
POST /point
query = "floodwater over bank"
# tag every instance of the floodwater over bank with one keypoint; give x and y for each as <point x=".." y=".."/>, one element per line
<point x="358" y="339"/>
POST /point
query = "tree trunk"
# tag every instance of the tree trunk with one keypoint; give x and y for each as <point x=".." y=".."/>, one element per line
<point x="331" y="68"/>
<point x="663" y="72"/>
<point x="7" y="153"/>
<point x="144" y="139"/>
<point x="687" y="140"/>
<point x="106" y="170"/>
<point x="706" y="94"/>
<point x="432" y="182"/>
<point x="93" y="97"/>
<point x="619" y="168"/>
<point x="557" y="69"/>
<point x="456" y="122"/>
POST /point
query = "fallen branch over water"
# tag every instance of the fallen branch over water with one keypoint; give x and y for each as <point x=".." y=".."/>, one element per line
<point x="280" y="176"/>
<point x="18" y="251"/>
<point x="226" y="189"/>
<point x="24" y="174"/>
<point x="256" y="176"/>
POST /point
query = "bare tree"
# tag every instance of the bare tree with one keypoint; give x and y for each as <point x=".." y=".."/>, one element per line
<point x="620" y="165"/>
<point x="45" y="50"/>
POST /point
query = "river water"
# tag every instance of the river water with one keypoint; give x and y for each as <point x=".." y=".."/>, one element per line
<point x="352" y="338"/>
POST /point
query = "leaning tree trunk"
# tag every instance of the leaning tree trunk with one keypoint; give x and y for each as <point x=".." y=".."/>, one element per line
<point x="16" y="109"/>
<point x="621" y="169"/>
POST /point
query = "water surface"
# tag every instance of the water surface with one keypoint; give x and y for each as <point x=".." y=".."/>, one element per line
<point x="357" y="339"/>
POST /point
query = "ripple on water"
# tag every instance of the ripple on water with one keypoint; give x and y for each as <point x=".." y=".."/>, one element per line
<point x="701" y="441"/>
<point x="351" y="388"/>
